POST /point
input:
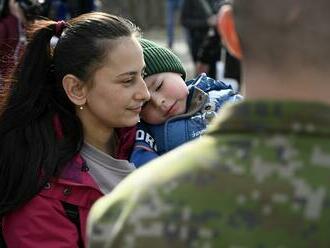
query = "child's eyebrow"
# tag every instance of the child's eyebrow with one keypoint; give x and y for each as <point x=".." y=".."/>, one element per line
<point x="150" y="84"/>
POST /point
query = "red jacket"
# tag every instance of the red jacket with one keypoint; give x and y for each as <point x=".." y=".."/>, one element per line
<point x="42" y="222"/>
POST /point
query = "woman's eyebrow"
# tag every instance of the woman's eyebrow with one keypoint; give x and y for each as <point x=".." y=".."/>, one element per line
<point x="130" y="73"/>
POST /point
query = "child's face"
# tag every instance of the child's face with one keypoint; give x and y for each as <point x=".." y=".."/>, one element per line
<point x="168" y="95"/>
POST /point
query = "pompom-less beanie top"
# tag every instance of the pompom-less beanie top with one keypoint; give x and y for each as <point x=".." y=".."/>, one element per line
<point x="160" y="59"/>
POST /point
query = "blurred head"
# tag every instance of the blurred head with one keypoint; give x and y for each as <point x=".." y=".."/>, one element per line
<point x="278" y="33"/>
<point x="164" y="76"/>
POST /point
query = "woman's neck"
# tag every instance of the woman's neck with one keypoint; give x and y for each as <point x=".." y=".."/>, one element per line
<point x="101" y="139"/>
<point x="96" y="133"/>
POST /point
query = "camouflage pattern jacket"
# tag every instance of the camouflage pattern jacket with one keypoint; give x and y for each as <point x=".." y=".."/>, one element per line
<point x="258" y="178"/>
<point x="206" y="97"/>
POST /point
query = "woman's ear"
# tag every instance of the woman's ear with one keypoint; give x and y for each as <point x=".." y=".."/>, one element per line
<point x="75" y="89"/>
<point x="227" y="29"/>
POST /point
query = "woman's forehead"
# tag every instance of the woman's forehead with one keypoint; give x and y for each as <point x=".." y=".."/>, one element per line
<point x="124" y="56"/>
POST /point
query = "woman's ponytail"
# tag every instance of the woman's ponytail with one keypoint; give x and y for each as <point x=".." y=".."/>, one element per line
<point x="28" y="142"/>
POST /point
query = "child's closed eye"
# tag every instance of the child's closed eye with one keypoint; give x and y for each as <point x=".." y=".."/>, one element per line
<point x="128" y="81"/>
<point x="159" y="86"/>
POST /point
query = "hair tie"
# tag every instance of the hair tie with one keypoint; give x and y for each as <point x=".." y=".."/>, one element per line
<point x="60" y="25"/>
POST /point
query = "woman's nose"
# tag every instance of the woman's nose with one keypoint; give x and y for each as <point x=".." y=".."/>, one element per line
<point x="143" y="93"/>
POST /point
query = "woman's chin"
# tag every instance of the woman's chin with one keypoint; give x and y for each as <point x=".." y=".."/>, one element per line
<point x="133" y="121"/>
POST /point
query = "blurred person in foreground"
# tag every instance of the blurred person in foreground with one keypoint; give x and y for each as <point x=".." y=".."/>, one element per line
<point x="263" y="178"/>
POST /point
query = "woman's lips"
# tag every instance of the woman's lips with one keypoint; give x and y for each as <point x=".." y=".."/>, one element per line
<point x="136" y="109"/>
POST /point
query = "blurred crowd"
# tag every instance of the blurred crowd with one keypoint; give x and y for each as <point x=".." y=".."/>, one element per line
<point x="16" y="15"/>
<point x="197" y="17"/>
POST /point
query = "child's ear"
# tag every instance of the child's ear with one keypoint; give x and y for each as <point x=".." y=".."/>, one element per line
<point x="227" y="29"/>
<point x="75" y="89"/>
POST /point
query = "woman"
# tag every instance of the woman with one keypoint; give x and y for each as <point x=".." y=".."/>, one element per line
<point x="57" y="127"/>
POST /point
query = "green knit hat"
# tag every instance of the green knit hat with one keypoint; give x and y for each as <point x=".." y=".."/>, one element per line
<point x="160" y="59"/>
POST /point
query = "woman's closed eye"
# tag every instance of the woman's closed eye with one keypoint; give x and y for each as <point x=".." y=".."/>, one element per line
<point x="129" y="81"/>
<point x="133" y="78"/>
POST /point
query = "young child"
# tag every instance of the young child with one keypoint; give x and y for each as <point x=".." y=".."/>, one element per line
<point x="177" y="111"/>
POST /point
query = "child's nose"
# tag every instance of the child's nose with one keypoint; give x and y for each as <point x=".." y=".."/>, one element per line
<point x="161" y="101"/>
<point x="158" y="100"/>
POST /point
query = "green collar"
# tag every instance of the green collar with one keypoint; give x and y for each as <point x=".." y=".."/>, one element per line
<point x="274" y="116"/>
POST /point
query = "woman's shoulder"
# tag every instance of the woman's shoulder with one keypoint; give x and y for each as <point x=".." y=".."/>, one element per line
<point x="73" y="183"/>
